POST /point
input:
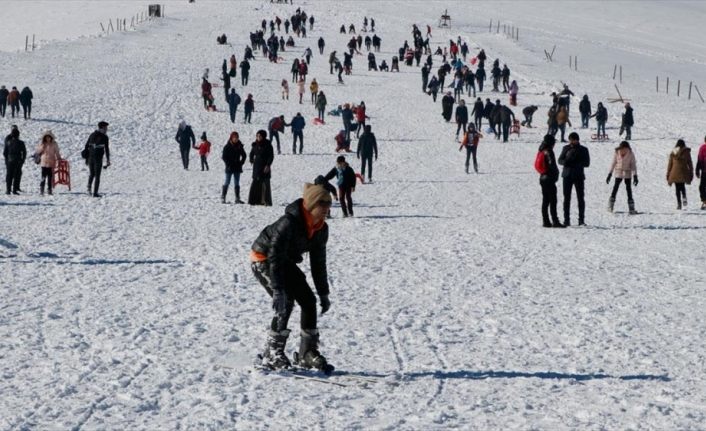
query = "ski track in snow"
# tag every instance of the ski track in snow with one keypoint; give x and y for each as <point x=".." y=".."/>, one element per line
<point x="118" y="313"/>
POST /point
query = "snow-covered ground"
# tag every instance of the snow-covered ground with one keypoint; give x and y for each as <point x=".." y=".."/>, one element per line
<point x="139" y="310"/>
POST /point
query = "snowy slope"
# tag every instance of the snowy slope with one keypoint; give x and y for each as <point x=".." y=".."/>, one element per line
<point x="120" y="313"/>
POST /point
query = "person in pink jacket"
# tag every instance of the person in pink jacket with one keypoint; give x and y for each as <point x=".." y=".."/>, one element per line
<point x="49" y="156"/>
<point x="701" y="173"/>
<point x="623" y="168"/>
<point x="300" y="88"/>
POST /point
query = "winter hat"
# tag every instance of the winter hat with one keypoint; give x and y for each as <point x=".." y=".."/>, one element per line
<point x="313" y="194"/>
<point x="47" y="133"/>
<point x="548" y="140"/>
<point x="262" y="133"/>
<point x="203" y="136"/>
<point x="340" y="159"/>
<point x="15" y="133"/>
<point x="624" y="144"/>
<point x="103" y="125"/>
<point x="573" y="135"/>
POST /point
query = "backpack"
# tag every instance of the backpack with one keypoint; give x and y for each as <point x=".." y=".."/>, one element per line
<point x="540" y="165"/>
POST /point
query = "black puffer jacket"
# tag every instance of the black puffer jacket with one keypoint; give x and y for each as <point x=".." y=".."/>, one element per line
<point x="284" y="242"/>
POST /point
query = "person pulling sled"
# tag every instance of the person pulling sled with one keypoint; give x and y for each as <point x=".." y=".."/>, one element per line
<point x="274" y="258"/>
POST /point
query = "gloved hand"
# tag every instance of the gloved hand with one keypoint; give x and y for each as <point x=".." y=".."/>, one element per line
<point x="325" y="303"/>
<point x="634" y="180"/>
<point x="607" y="179"/>
<point x="279" y="302"/>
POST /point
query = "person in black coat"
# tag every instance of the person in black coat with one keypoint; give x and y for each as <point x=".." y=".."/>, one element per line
<point x="528" y="112"/>
<point x="504" y="118"/>
<point x="275" y="256"/>
<point x="547" y="182"/>
<point x="233" y="157"/>
<point x="3" y="100"/>
<point x="478" y="111"/>
<point x="347" y="117"/>
<point x="261" y="157"/>
<point x="601" y="118"/>
<point x="574" y="157"/>
<point x="244" y="71"/>
<point x="15" y="154"/>
<point x="346" y="180"/>
<point x="433" y="88"/>
<point x="96" y="147"/>
<point x="26" y="97"/>
<point x="321" y="44"/>
<point x="461" y="117"/>
<point x="233" y="102"/>
<point x="447" y="106"/>
<point x="628" y="122"/>
<point x="480" y="77"/>
<point x="186" y="139"/>
<point x="367" y="148"/>
<point x="585" y="111"/>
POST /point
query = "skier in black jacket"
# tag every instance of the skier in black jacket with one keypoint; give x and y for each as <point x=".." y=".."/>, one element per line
<point x="574" y="157"/>
<point x="274" y="258"/>
<point x="234" y="157"/>
<point x="26" y="97"/>
<point x="15" y="154"/>
<point x="96" y="147"/>
<point x="547" y="181"/>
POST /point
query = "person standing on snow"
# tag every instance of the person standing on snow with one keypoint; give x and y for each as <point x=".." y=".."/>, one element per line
<point x="26" y="97"/>
<point x="233" y="157"/>
<point x="204" y="149"/>
<point x="680" y="171"/>
<point x="624" y="167"/>
<point x="627" y="123"/>
<point x="548" y="176"/>
<point x="346" y="180"/>
<point x="470" y="140"/>
<point x="701" y="173"/>
<point x="97" y="145"/>
<point x="3" y="100"/>
<point x="233" y="102"/>
<point x="461" y="117"/>
<point x="186" y="139"/>
<point x="249" y="108"/>
<point x="48" y="151"/>
<point x="261" y="158"/>
<point x="274" y="257"/>
<point x="585" y="111"/>
<point x="297" y="124"/>
<point x="321" y="105"/>
<point x="601" y="118"/>
<point x="367" y="148"/>
<point x="575" y="158"/>
<point x="15" y="154"/>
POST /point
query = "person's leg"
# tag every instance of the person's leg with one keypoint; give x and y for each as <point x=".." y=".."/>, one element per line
<point x="677" y="190"/>
<point x="341" y="198"/>
<point x="580" y="198"/>
<point x="362" y="166"/>
<point x="552" y="204"/>
<point x="468" y="156"/>
<point x="545" y="205"/>
<point x="370" y="168"/>
<point x="702" y="188"/>
<point x="301" y="141"/>
<point x="91" y="174"/>
<point x="567" y="185"/>
<point x="98" y="168"/>
<point x="474" y="150"/>
<point x="349" y="199"/>
<point x="616" y="186"/>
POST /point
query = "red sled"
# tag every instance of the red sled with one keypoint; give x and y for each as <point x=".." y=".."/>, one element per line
<point x="599" y="137"/>
<point x="318" y="121"/>
<point x="515" y="127"/>
<point x="62" y="173"/>
<point x="360" y="177"/>
<point x="474" y="60"/>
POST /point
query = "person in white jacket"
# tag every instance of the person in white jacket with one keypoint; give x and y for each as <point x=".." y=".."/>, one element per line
<point x="48" y="154"/>
<point x="623" y="168"/>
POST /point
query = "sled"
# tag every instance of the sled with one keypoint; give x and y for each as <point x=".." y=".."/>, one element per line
<point x="62" y="173"/>
<point x="318" y="121"/>
<point x="360" y="177"/>
<point x="212" y="108"/>
<point x="596" y="137"/>
<point x="515" y="127"/>
<point x="474" y="60"/>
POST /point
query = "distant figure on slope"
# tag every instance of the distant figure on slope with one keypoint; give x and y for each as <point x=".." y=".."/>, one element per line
<point x="15" y="154"/>
<point x="345" y="180"/>
<point x="233" y="102"/>
<point x="26" y="97"/>
<point x="701" y="173"/>
<point x="274" y="258"/>
<point x="627" y="123"/>
<point x="623" y="168"/>
<point x="680" y="171"/>
<point x="528" y="112"/>
<point x="261" y="158"/>
<point x="585" y="111"/>
<point x="186" y="139"/>
<point x="204" y="149"/>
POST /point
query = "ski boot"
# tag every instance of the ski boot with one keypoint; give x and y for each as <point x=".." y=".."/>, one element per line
<point x="683" y="202"/>
<point x="274" y="357"/>
<point x="631" y="207"/>
<point x="309" y="356"/>
<point x="611" y="204"/>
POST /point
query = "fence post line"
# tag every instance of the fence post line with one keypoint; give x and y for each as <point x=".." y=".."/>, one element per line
<point x="33" y="42"/>
<point x="699" y="93"/>
<point x="26" y="42"/>
<point x="690" y="83"/>
<point x="667" y="85"/>
<point x="576" y="63"/>
<point x="498" y="28"/>
<point x="615" y="68"/>
<point x="621" y="73"/>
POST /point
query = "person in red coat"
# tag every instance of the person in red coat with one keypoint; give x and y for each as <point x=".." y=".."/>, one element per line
<point x="206" y="94"/>
<point x="360" y="117"/>
<point x="204" y="148"/>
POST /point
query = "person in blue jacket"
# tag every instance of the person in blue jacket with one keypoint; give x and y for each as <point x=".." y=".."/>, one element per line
<point x="297" y="124"/>
<point x="233" y="102"/>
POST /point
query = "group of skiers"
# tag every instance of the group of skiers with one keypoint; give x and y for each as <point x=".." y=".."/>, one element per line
<point x="15" y="99"/>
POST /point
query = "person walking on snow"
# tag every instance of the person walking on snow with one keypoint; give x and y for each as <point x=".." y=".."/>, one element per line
<point x="249" y="108"/>
<point x="314" y="89"/>
<point x="204" y="149"/>
<point x="233" y="157"/>
<point x="274" y="257"/>
<point x="321" y="105"/>
<point x="233" y="102"/>
<point x="15" y="154"/>
<point x="623" y="168"/>
<point x="585" y="111"/>
<point x="367" y="148"/>
<point x="680" y="171"/>
<point x="186" y="139"/>
<point x="470" y="140"/>
<point x="461" y="117"/>
<point x="297" y="124"/>
<point x="346" y="180"/>
<point x="261" y="158"/>
<point x="97" y="145"/>
<point x="627" y="123"/>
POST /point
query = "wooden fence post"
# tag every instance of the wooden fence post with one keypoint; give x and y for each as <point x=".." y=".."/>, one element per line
<point x="621" y="73"/>
<point x="26" y="42"/>
<point x="678" y="87"/>
<point x="658" y="83"/>
<point x="699" y="93"/>
<point x="576" y="63"/>
<point x="667" y="85"/>
<point x="498" y="28"/>
<point x="33" y="42"/>
<point x="102" y="28"/>
<point x="615" y="69"/>
<point x="690" y="83"/>
<point x="517" y="35"/>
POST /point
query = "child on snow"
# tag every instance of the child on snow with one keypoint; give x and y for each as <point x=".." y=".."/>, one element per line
<point x="285" y="89"/>
<point x="204" y="148"/>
